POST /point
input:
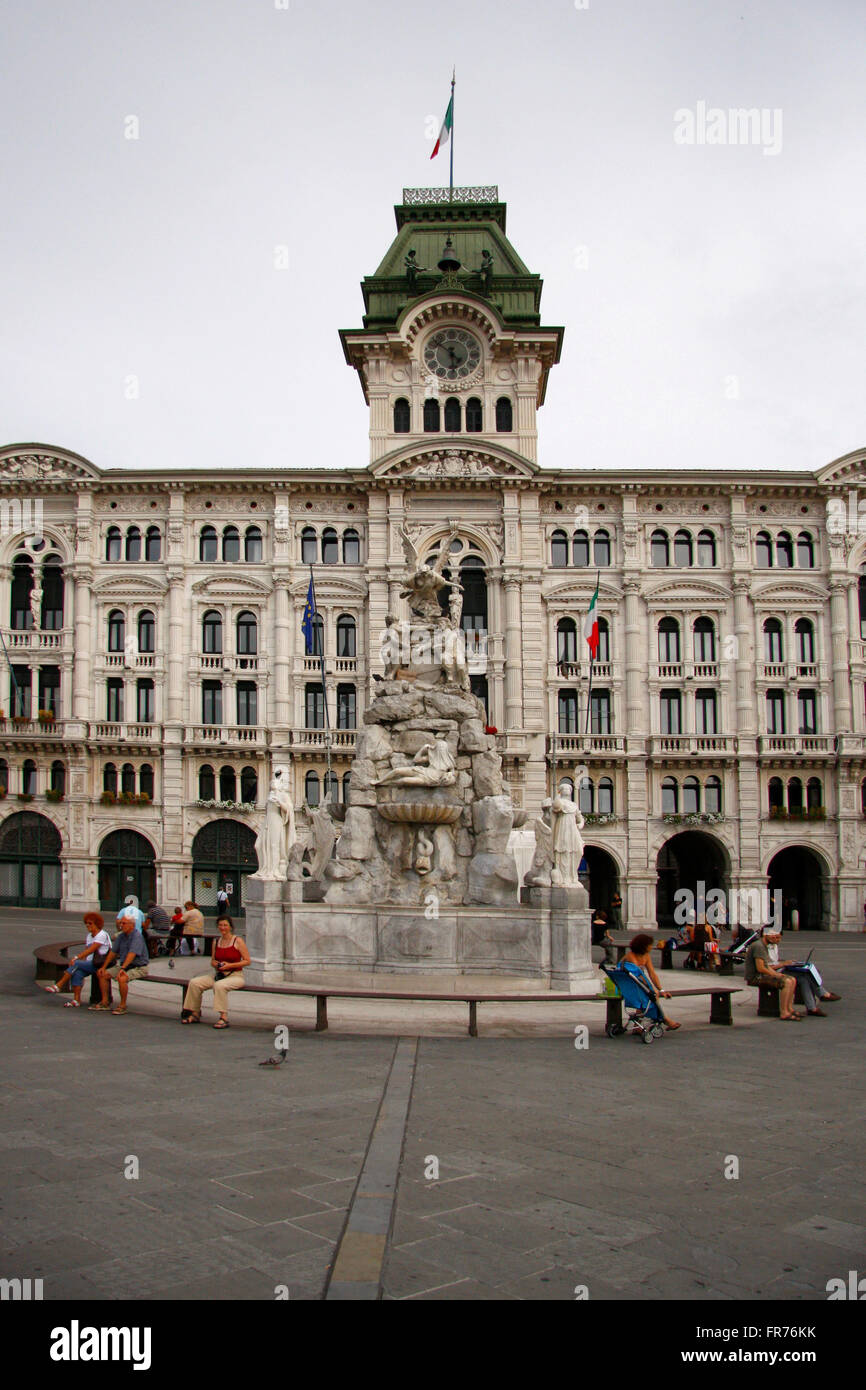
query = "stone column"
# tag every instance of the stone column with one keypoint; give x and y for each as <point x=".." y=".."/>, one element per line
<point x="841" y="669"/>
<point x="513" y="655"/>
<point x="82" y="693"/>
<point x="282" y="653"/>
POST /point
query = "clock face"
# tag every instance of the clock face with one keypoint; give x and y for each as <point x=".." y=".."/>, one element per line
<point x="452" y="353"/>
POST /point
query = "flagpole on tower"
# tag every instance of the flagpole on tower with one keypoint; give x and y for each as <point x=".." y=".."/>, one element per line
<point x="451" y="169"/>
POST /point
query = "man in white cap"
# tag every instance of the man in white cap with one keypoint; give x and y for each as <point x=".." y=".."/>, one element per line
<point x="761" y="971"/>
<point x="812" y="989"/>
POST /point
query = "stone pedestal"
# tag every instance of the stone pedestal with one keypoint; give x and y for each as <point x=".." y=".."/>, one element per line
<point x="268" y="928"/>
<point x="567" y="919"/>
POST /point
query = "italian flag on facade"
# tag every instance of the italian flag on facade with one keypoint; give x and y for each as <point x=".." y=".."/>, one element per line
<point x="590" y="625"/>
<point x="445" y="132"/>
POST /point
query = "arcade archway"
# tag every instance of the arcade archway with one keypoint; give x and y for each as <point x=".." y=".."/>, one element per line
<point x="692" y="860"/>
<point x="802" y="878"/>
<point x="30" y="871"/>
<point x="126" y="865"/>
<point x="603" y="877"/>
<point x="223" y="856"/>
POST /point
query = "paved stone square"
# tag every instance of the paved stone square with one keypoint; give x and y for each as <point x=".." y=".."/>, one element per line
<point x="558" y="1167"/>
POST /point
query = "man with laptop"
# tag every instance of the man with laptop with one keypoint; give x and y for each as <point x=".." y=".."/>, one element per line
<point x="763" y="967"/>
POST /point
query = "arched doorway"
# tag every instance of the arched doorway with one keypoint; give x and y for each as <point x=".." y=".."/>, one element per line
<point x="801" y="877"/>
<point x="603" y="875"/>
<point x="692" y="860"/>
<point x="30" y="871"/>
<point x="126" y="865"/>
<point x="223" y="856"/>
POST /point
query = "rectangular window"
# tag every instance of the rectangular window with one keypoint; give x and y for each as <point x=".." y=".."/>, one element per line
<point x="211" y="702"/>
<point x="776" y="712"/>
<point x="314" y="713"/>
<point x="671" y="721"/>
<point x="248" y="702"/>
<point x="567" y="721"/>
<point x="114" y="701"/>
<point x="145" y="702"/>
<point x="19" y="691"/>
<point x="807" y="709"/>
<point x="599" y="712"/>
<point x="346" y="707"/>
<point x="705" y="712"/>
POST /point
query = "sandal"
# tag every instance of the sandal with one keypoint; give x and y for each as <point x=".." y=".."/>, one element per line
<point x="51" y="989"/>
<point x="193" y="1018"/>
<point x="121" y="1009"/>
<point x="222" y="1023"/>
<point x="72" y="1004"/>
<point x="672" y="1027"/>
<point x="790" y="1018"/>
<point x="97" y="1008"/>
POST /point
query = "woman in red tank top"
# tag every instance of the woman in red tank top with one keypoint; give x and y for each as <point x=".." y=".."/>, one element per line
<point x="228" y="958"/>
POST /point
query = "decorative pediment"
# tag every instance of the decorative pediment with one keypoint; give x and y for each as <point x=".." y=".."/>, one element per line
<point x="778" y="592"/>
<point x="332" y="589"/>
<point x="39" y="467"/>
<point x="576" y="594"/>
<point x="676" y="592"/>
<point x="129" y="586"/>
<point x="452" y="465"/>
<point x="849" y="470"/>
<point x="232" y="587"/>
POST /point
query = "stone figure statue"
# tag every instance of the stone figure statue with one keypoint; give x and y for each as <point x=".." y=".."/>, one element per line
<point x="432" y="766"/>
<point x="277" y="833"/>
<point x="485" y="270"/>
<point x="541" y="867"/>
<point x="323" y="833"/>
<point x="453" y="662"/>
<point x="423" y="582"/>
<point x="36" y="605"/>
<point x="567" y="824"/>
<point x="413" y="269"/>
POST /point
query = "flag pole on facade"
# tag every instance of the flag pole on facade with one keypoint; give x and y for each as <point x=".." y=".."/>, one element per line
<point x="590" y="632"/>
<point x="17" y="701"/>
<point x="446" y="136"/>
<point x="308" y="627"/>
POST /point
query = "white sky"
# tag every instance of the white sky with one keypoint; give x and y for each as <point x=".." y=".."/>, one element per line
<point x="262" y="126"/>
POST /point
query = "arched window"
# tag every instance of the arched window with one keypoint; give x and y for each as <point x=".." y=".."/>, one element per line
<point x="586" y="796"/>
<point x="127" y="779"/>
<point x="431" y="426"/>
<point x="249" y="785"/>
<point x="670" y="797"/>
<point x="402" y="417"/>
<point x="113" y="543"/>
<point x="228" y="784"/>
<point x="133" y="543"/>
<point x="795" y="795"/>
<point x="153" y="544"/>
<point x="231" y="544"/>
<point x="659" y="550"/>
<point x="784" y="551"/>
<point x="691" y="796"/>
<point x="311" y="788"/>
<point x="351" y="547"/>
<point x="603" y="653"/>
<point x="22" y="587"/>
<point x="706" y="549"/>
<point x="805" y="636"/>
<point x="773" y="646"/>
<point x="52" y="594"/>
<point x="116" y="630"/>
<point x="346" y="636"/>
<point x="206" y="783"/>
<point x="580" y="549"/>
<point x="474" y="415"/>
<point x="452" y="415"/>
<point x="309" y="546"/>
<point x="601" y="549"/>
<point x="253" y="549"/>
<point x="683" y="549"/>
<point x="713" y="795"/>
<point x="775" y="793"/>
<point x="330" y="548"/>
<point x="207" y="545"/>
<point x="145" y="780"/>
<point x="559" y="550"/>
<point x="763" y="551"/>
<point x="704" y="641"/>
<point x="58" y="778"/>
<point x="109" y="778"/>
<point x="146" y="631"/>
<point x="669" y="642"/>
<point x="347" y="779"/>
<point x="566" y="641"/>
<point x="604" y="798"/>
<point x="247" y="634"/>
<point x="28" y="778"/>
<point x="567" y="711"/>
<point x="211" y="633"/>
<point x="331" y="787"/>
<point x="814" y="794"/>
<point x="504" y="423"/>
<point x="805" y="551"/>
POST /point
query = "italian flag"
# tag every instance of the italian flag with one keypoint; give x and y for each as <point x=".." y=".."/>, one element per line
<point x="590" y="625"/>
<point x="445" y="132"/>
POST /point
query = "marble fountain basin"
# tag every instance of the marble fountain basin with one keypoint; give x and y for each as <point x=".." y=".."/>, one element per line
<point x="419" y="812"/>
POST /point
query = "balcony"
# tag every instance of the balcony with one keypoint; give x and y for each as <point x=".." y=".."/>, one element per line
<point x="227" y="665"/>
<point x="678" y="671"/>
<point x="108" y="732"/>
<point x="35" y="640"/>
<point x="796" y="745"/>
<point x="790" y="671"/>
<point x="228" y="735"/>
<point x="343" y="740"/>
<point x="334" y="666"/>
<point x="578" y="746"/>
<point x="30" y="728"/>
<point x="692" y="745"/>
<point x="579" y="670"/>
<point x="119" y="661"/>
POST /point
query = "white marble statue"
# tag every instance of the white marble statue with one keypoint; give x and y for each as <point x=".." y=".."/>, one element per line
<point x="541" y="867"/>
<point x="277" y="833"/>
<point x="567" y="823"/>
<point x="423" y="582"/>
<point x="432" y="766"/>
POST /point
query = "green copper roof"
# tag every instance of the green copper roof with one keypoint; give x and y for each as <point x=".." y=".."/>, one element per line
<point x="474" y="227"/>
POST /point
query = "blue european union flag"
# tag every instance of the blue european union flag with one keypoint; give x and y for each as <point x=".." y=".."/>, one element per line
<point x="309" y="615"/>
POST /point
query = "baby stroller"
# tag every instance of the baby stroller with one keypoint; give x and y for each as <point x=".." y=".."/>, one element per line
<point x="644" y="1016"/>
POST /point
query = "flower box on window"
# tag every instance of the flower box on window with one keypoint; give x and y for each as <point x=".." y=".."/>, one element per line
<point x="21" y="719"/>
<point x="54" y="794"/>
<point x="126" y="799"/>
<point x="778" y="813"/>
<point x="25" y="796"/>
<point x="142" y="799"/>
<point x="108" y="799"/>
<point x="46" y="716"/>
<point x="817" y="813"/>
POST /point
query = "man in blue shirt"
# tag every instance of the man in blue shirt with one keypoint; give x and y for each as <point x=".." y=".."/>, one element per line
<point x="130" y="909"/>
<point x="127" y="961"/>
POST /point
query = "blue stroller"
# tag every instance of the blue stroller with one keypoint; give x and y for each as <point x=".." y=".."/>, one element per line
<point x="644" y="1016"/>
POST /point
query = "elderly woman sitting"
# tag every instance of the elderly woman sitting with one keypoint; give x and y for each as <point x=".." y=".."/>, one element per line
<point x="229" y="955"/>
<point x="87" y="962"/>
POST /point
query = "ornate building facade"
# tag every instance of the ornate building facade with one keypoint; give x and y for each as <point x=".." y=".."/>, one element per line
<point x="154" y="666"/>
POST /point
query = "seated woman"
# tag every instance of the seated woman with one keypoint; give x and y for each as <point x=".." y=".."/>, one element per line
<point x="87" y="962"/>
<point x="706" y="946"/>
<point x="638" y="958"/>
<point x="228" y="958"/>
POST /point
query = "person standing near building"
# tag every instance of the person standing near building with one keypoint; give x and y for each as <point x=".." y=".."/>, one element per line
<point x="193" y="926"/>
